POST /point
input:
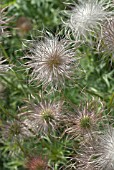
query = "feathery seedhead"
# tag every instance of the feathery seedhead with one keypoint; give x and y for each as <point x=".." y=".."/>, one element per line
<point x="51" y="61"/>
<point x="108" y="34"/>
<point x="36" y="163"/>
<point x="84" y="120"/>
<point x="15" y="130"/>
<point x="86" y="154"/>
<point x="41" y="118"/>
<point x="104" y="149"/>
<point x="87" y="17"/>
<point x="11" y="130"/>
<point x="81" y="123"/>
<point x="98" y="152"/>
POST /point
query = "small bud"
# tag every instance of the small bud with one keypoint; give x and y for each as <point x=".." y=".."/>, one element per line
<point x="24" y="25"/>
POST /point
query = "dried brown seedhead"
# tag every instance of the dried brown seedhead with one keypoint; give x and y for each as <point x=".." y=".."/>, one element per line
<point x="36" y="163"/>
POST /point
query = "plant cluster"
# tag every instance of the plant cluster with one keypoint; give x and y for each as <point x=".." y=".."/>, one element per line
<point x="57" y="87"/>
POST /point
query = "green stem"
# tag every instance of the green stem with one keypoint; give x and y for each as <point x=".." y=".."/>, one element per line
<point x="22" y="148"/>
<point x="111" y="100"/>
<point x="7" y="81"/>
<point x="4" y="52"/>
<point x="20" y="83"/>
